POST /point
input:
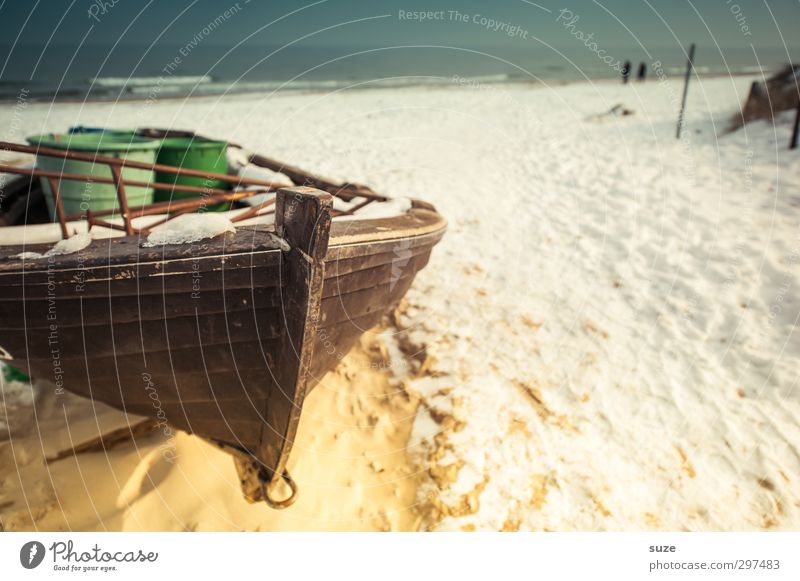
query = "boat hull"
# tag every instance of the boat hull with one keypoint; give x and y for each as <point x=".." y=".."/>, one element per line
<point x="201" y="336"/>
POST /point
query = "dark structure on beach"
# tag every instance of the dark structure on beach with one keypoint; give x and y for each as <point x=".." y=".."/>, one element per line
<point x="781" y="92"/>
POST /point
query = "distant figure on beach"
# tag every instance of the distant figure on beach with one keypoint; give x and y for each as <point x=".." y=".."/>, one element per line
<point x="642" y="71"/>
<point x="626" y="71"/>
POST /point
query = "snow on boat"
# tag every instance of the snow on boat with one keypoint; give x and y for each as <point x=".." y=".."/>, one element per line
<point x="218" y="324"/>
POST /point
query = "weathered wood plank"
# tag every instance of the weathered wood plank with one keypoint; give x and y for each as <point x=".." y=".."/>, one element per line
<point x="129" y="250"/>
<point x="402" y="265"/>
<point x="303" y="219"/>
<point x="143" y="337"/>
<point x="222" y="357"/>
<point x="78" y="312"/>
<point x="211" y="274"/>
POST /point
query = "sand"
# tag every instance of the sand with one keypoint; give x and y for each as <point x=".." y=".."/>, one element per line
<point x="606" y="338"/>
<point x="350" y="462"/>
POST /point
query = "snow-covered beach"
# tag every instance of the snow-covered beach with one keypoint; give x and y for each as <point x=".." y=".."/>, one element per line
<point x="606" y="338"/>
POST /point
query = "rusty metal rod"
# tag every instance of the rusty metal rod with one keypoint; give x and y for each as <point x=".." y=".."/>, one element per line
<point x="168" y="218"/>
<point x="357" y="207"/>
<point x="121" y="162"/>
<point x="242" y="217"/>
<point x="302" y="178"/>
<point x="62" y="220"/>
<point x="123" y="199"/>
<point x="346" y="191"/>
<point x="175" y="206"/>
<point x="102" y="180"/>
<point x="210" y="195"/>
<point x="253" y="211"/>
<point x="92" y="221"/>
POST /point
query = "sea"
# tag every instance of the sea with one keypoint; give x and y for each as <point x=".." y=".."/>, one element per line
<point x="130" y="72"/>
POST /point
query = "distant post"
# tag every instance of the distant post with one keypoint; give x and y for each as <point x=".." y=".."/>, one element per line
<point x="689" y="65"/>
<point x="793" y="143"/>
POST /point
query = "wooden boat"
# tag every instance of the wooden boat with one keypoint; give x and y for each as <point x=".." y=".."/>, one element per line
<point x="223" y="338"/>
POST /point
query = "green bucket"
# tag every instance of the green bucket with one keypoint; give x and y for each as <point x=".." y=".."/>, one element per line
<point x="79" y="196"/>
<point x="197" y="154"/>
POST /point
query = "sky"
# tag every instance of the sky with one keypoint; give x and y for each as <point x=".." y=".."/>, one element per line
<point x="618" y="21"/>
<point x="46" y="33"/>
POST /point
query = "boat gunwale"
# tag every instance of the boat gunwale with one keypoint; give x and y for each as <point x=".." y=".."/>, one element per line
<point x="436" y="226"/>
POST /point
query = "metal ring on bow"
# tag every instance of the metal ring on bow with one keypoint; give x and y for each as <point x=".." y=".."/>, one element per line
<point x="280" y="504"/>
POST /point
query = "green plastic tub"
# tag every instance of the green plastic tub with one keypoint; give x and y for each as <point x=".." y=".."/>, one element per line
<point x="82" y="130"/>
<point x="79" y="196"/>
<point x="192" y="153"/>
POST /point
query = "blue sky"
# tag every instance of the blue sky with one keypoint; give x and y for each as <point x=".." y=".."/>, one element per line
<point x="614" y="22"/>
<point x="138" y="37"/>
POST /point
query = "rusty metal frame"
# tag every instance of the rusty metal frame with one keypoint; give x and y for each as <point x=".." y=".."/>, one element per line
<point x="211" y="196"/>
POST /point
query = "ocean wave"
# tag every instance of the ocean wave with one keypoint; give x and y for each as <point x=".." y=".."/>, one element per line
<point x="218" y="86"/>
<point x="755" y="69"/>
<point x="721" y="70"/>
<point x="150" y="81"/>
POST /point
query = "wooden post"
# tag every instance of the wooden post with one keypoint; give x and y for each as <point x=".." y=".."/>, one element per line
<point x="793" y="142"/>
<point x="689" y="65"/>
<point x="303" y="220"/>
